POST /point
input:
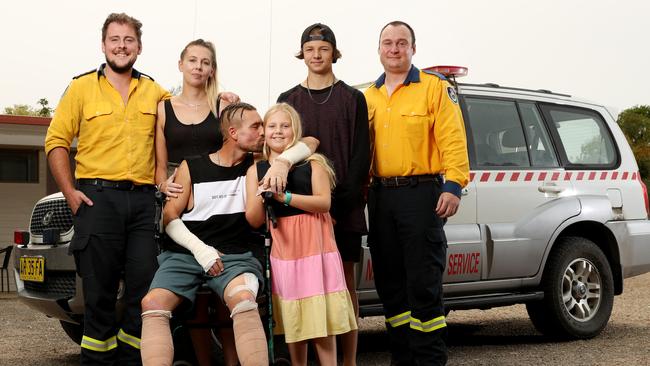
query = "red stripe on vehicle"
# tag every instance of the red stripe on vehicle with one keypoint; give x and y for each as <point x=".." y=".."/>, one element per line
<point x="614" y="175"/>
<point x="471" y="176"/>
<point x="625" y="175"/>
<point x="580" y="175"/>
<point x="500" y="176"/>
<point x="485" y="177"/>
<point x="603" y="175"/>
<point x="542" y="176"/>
<point x="567" y="176"/>
<point x="634" y="176"/>
<point x="592" y="175"/>
<point x="556" y="175"/>
<point x="514" y="177"/>
<point x="529" y="177"/>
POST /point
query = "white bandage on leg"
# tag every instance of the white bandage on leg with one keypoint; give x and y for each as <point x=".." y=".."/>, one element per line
<point x="298" y="152"/>
<point x="250" y="340"/>
<point x="203" y="253"/>
<point x="251" y="285"/>
<point x="156" y="344"/>
<point x="167" y="314"/>
<point x="242" y="307"/>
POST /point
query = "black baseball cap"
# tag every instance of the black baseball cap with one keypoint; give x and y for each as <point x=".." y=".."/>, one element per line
<point x="326" y="34"/>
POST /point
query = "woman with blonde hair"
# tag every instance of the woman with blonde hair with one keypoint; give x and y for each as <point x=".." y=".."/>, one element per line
<point x="188" y="126"/>
<point x="310" y="298"/>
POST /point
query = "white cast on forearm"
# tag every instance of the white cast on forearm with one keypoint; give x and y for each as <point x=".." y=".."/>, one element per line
<point x="298" y="152"/>
<point x="203" y="253"/>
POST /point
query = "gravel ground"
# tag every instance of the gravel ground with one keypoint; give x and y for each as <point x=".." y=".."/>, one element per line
<point x="502" y="336"/>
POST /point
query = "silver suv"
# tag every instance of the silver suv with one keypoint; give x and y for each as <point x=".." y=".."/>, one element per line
<point x="555" y="216"/>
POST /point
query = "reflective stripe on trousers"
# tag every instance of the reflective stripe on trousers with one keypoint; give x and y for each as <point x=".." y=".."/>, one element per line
<point x="132" y="341"/>
<point x="97" y="345"/>
<point x="416" y="324"/>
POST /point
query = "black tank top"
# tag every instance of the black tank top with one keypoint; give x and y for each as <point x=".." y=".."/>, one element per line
<point x="218" y="217"/>
<point x="298" y="181"/>
<point x="186" y="141"/>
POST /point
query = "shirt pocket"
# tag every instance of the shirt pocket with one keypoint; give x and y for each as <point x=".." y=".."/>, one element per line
<point x="417" y="123"/>
<point x="146" y="118"/>
<point x="99" y="120"/>
<point x="96" y="110"/>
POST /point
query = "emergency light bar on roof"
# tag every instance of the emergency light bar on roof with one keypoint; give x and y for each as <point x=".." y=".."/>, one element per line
<point x="449" y="71"/>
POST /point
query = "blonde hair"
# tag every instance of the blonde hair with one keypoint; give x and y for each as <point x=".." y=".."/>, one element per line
<point x="212" y="86"/>
<point x="296" y="127"/>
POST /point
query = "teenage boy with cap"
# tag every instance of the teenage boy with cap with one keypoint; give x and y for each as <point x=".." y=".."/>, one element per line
<point x="336" y="114"/>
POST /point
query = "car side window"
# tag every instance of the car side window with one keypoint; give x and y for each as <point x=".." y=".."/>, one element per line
<point x="542" y="153"/>
<point x="584" y="136"/>
<point x="496" y="133"/>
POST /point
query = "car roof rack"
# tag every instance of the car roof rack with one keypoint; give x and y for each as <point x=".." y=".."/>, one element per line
<point x="493" y="85"/>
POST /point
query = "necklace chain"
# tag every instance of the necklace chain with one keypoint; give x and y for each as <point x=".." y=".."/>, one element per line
<point x="328" y="94"/>
<point x="191" y="105"/>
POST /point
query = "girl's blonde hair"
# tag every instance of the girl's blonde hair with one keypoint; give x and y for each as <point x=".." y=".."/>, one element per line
<point x="296" y="127"/>
<point x="212" y="86"/>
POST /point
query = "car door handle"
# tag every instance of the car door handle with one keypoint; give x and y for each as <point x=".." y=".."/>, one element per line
<point x="550" y="188"/>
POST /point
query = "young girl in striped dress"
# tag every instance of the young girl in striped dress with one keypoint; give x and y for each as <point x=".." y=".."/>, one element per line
<point x="310" y="297"/>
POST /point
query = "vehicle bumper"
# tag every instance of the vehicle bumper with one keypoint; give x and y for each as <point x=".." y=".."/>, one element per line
<point x="634" y="244"/>
<point x="57" y="296"/>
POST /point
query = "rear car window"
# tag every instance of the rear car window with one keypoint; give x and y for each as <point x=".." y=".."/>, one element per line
<point x="584" y="136"/>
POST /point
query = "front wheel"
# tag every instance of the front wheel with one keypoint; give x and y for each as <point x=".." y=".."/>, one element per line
<point x="578" y="291"/>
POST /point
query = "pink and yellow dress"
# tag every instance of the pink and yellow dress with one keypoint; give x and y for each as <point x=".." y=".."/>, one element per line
<point x="310" y="298"/>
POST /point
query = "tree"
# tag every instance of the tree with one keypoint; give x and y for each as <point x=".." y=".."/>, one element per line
<point x="45" y="111"/>
<point x="26" y="110"/>
<point x="20" y="110"/>
<point x="635" y="123"/>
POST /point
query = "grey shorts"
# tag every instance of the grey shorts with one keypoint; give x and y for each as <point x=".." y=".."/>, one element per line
<point x="181" y="274"/>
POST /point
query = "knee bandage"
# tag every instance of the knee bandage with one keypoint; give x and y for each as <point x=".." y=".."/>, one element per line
<point x="251" y="285"/>
<point x="156" y="345"/>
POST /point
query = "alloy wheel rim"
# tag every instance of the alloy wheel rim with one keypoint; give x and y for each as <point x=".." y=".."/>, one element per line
<point x="581" y="289"/>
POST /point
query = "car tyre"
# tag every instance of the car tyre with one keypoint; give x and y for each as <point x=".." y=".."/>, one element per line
<point x="578" y="291"/>
<point x="73" y="330"/>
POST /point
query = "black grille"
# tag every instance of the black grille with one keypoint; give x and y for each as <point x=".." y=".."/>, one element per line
<point x="61" y="216"/>
<point x="60" y="284"/>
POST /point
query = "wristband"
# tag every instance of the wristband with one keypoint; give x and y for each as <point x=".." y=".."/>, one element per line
<point x="287" y="198"/>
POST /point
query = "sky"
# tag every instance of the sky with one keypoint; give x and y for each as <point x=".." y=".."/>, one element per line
<point x="596" y="50"/>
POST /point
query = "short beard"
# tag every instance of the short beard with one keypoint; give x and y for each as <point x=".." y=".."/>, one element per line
<point x="120" y="69"/>
<point x="258" y="148"/>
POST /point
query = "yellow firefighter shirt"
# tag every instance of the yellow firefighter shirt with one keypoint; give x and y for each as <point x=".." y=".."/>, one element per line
<point x="418" y="130"/>
<point x="114" y="141"/>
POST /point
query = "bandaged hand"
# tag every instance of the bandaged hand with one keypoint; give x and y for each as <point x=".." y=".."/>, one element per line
<point x="204" y="254"/>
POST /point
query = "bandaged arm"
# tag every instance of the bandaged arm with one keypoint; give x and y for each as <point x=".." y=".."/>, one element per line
<point x="298" y="152"/>
<point x="203" y="253"/>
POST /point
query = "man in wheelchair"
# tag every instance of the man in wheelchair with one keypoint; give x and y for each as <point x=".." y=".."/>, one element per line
<point x="209" y="242"/>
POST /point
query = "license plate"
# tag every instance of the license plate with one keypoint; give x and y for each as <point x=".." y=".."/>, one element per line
<point x="32" y="269"/>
